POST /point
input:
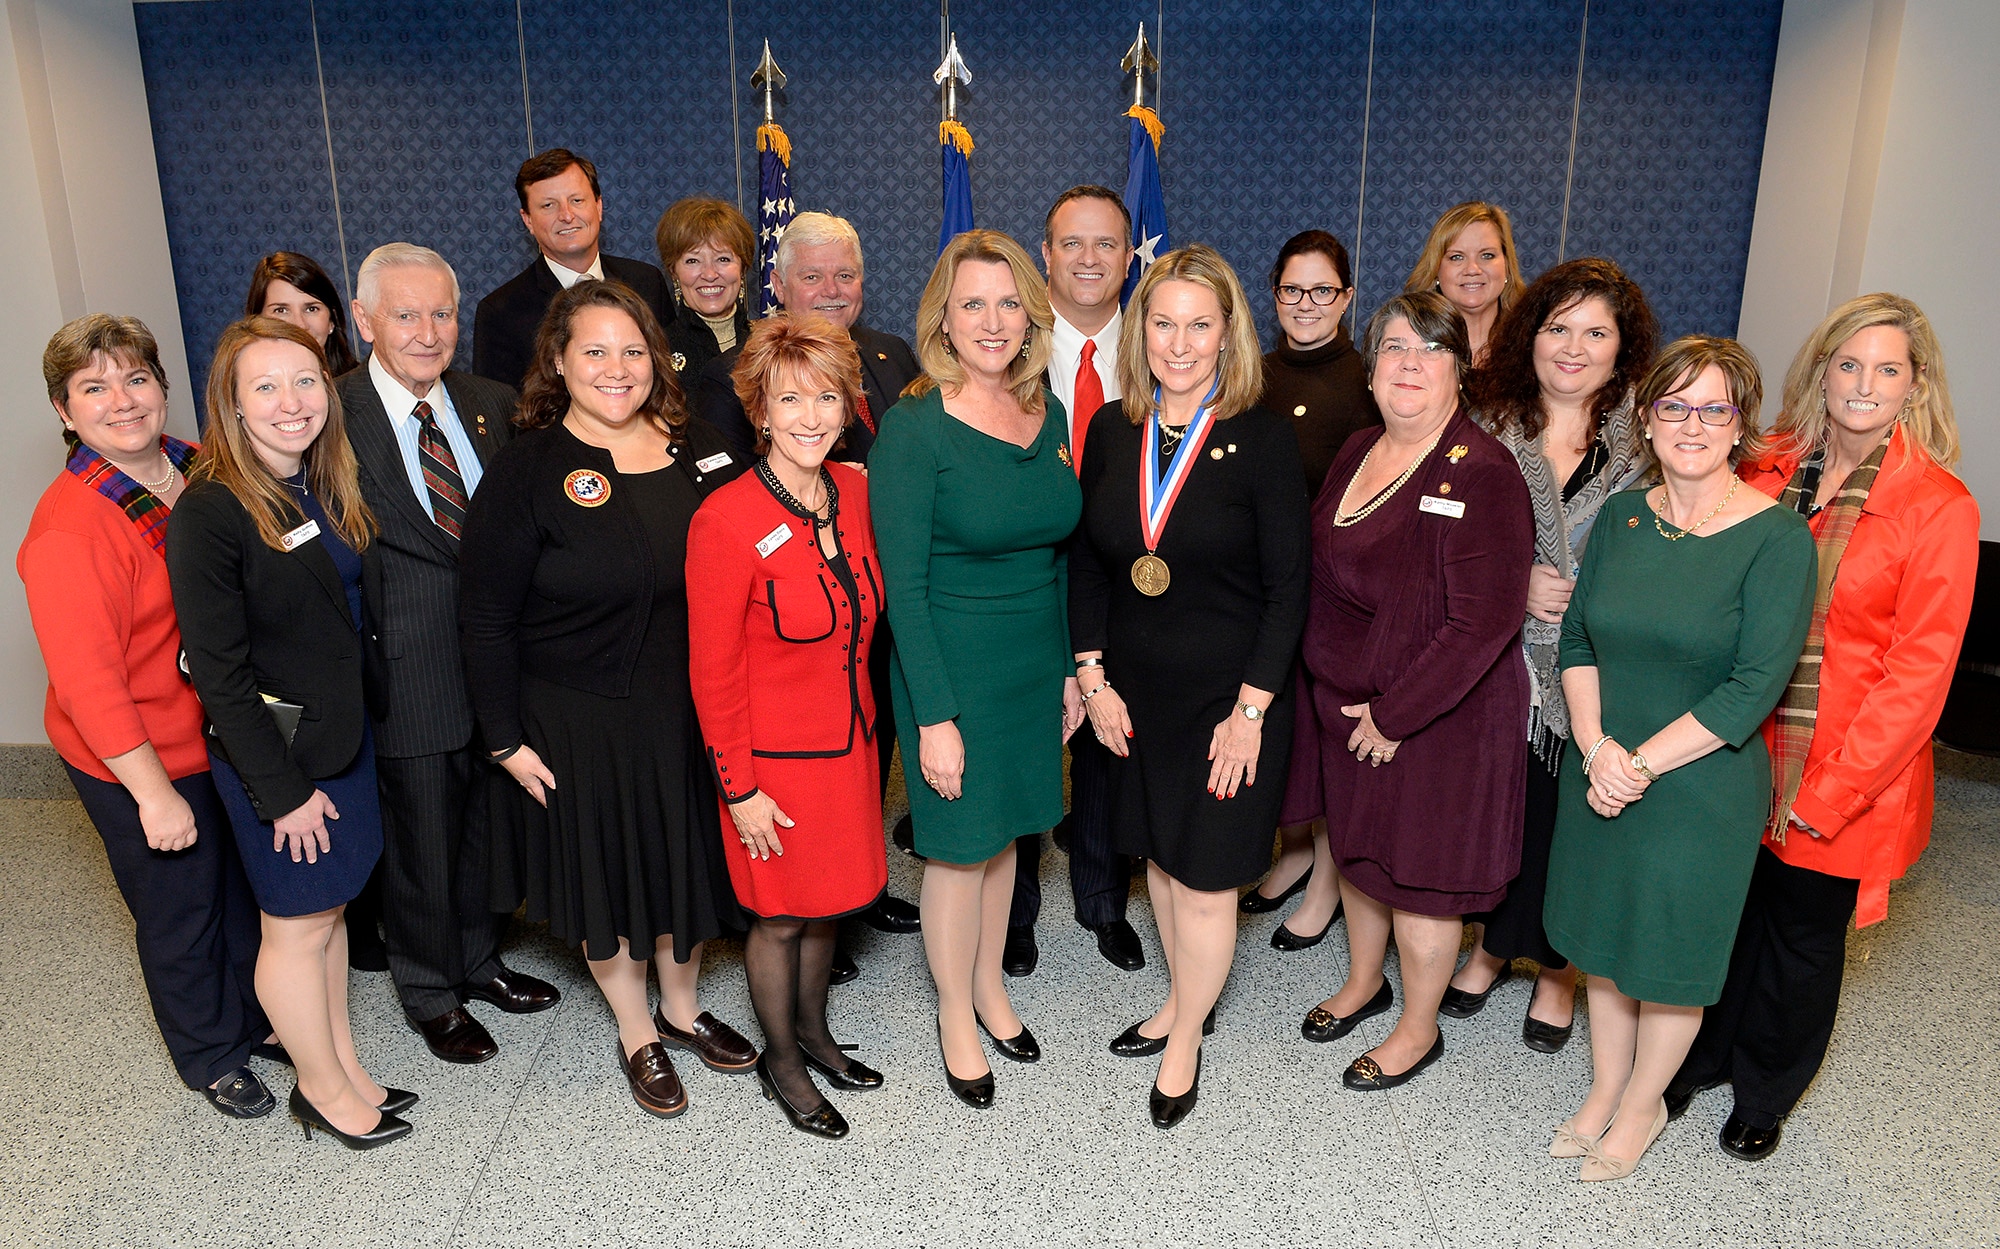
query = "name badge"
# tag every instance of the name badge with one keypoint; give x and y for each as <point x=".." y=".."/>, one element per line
<point x="299" y="537"/>
<point x="774" y="539"/>
<point x="713" y="462"/>
<point x="1441" y="507"/>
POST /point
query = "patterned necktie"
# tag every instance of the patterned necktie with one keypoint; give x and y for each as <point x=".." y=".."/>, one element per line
<point x="440" y="466"/>
<point x="1089" y="398"/>
<point x="862" y="410"/>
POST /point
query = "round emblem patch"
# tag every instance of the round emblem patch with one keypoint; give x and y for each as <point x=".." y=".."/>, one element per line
<point x="587" y="487"/>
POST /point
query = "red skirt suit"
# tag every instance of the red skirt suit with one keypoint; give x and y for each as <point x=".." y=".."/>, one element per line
<point x="779" y="637"/>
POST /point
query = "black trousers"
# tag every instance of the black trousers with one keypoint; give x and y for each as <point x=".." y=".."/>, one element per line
<point x="195" y="922"/>
<point x="436" y="916"/>
<point x="1099" y="877"/>
<point x="1768" y="1034"/>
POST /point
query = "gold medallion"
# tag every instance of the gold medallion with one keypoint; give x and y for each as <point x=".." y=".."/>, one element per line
<point x="1150" y="575"/>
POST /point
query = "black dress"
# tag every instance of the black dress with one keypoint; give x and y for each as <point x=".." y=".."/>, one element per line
<point x="1237" y="547"/>
<point x="1323" y="391"/>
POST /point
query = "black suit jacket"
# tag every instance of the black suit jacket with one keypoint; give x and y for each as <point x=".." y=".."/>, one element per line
<point x="260" y="621"/>
<point x="887" y="365"/>
<point x="417" y="612"/>
<point x="503" y="327"/>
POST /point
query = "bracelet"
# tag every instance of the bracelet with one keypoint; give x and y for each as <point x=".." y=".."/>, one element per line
<point x="1099" y="689"/>
<point x="508" y="753"/>
<point x="1591" y="757"/>
<point x="1097" y="662"/>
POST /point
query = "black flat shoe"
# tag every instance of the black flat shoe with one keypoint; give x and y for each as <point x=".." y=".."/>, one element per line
<point x="1751" y="1144"/>
<point x="1365" y="1075"/>
<point x="858" y="1075"/>
<point x="241" y="1095"/>
<point x="1167" y="1111"/>
<point x="825" y="1122"/>
<point x="271" y="1051"/>
<point x="976" y="1092"/>
<point x="892" y="914"/>
<point x="1254" y="903"/>
<point x="397" y="1100"/>
<point x="1133" y="1043"/>
<point x="843" y="968"/>
<point x="1022" y="1048"/>
<point x="1545" y="1038"/>
<point x="388" y="1128"/>
<point x="1322" y="1025"/>
<point x="1290" y="942"/>
<point x="1020" y="954"/>
<point x="1462" y="1005"/>
<point x="1678" y="1096"/>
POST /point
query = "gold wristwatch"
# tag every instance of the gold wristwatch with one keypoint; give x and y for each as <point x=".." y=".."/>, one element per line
<point x="1639" y="766"/>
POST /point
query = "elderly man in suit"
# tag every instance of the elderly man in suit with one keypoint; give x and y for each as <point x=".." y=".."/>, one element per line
<point x="423" y="435"/>
<point x="818" y="269"/>
<point x="563" y="209"/>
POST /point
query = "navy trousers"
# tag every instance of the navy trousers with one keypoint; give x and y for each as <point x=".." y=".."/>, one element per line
<point x="1099" y="877"/>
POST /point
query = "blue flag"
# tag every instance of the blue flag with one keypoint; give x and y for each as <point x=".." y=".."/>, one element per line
<point x="1143" y="197"/>
<point x="955" y="143"/>
<point x="774" y="208"/>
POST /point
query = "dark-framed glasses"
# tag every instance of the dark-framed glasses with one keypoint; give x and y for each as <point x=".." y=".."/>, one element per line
<point x="1674" y="412"/>
<point x="1321" y="295"/>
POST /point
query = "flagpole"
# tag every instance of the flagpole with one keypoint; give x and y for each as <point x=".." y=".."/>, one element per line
<point x="774" y="180"/>
<point x="954" y="148"/>
<point x="1144" y="199"/>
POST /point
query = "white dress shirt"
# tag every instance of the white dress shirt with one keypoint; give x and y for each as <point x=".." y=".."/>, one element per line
<point x="1066" y="350"/>
<point x="401" y="406"/>
<point x="570" y="277"/>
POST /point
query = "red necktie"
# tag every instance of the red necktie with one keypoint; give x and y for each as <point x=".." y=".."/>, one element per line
<point x="1089" y="398"/>
<point x="862" y="410"/>
<point x="440" y="469"/>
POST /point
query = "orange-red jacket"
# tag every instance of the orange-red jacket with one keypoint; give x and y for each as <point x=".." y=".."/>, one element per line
<point x="1900" y="604"/>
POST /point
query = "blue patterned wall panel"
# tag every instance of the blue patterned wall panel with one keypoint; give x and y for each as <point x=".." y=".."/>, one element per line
<point x="642" y="91"/>
<point x="428" y="129"/>
<point x="1472" y="101"/>
<point x="241" y="151"/>
<point x="1669" y="145"/>
<point x="1264" y="102"/>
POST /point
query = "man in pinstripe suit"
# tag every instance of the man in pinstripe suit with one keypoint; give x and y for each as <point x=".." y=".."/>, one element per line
<point x="423" y="435"/>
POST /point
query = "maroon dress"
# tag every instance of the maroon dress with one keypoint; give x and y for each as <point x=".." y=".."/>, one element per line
<point x="1418" y="612"/>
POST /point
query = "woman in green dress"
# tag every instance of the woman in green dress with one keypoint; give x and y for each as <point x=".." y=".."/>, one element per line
<point x="974" y="498"/>
<point x="1687" y="620"/>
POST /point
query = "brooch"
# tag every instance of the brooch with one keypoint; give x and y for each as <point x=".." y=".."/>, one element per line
<point x="1458" y="453"/>
<point x="1062" y="453"/>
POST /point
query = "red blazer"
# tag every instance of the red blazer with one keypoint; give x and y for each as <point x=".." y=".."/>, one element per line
<point x="1900" y="604"/>
<point x="104" y="615"/>
<point x="779" y="613"/>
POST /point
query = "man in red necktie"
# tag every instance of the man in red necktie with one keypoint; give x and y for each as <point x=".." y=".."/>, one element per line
<point x="1086" y="250"/>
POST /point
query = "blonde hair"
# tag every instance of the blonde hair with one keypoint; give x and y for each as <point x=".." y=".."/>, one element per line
<point x="228" y="458"/>
<point x="1683" y="360"/>
<point x="1801" y="423"/>
<point x="941" y="366"/>
<point x="1424" y="277"/>
<point x="809" y="345"/>
<point x="1241" y="366"/>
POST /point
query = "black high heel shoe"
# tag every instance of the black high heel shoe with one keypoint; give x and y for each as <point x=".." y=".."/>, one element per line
<point x="1021" y="1047"/>
<point x="825" y="1122"/>
<point x="1133" y="1043"/>
<point x="1167" y="1111"/>
<point x="389" y="1128"/>
<point x="396" y="1101"/>
<point x="858" y="1075"/>
<point x="976" y="1092"/>
<point x="1323" y="1025"/>
<point x="1254" y="903"/>
<point x="1290" y="942"/>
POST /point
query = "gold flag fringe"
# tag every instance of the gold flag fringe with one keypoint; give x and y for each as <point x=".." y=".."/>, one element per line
<point x="957" y="135"/>
<point x="771" y="137"/>
<point x="1151" y="121"/>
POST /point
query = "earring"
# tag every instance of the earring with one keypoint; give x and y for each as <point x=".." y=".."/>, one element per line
<point x="1648" y="435"/>
<point x="948" y="348"/>
<point x="68" y="426"/>
<point x="1738" y="442"/>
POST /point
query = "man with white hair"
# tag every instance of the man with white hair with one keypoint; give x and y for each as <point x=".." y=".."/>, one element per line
<point x="423" y="434"/>
<point x="818" y="269"/>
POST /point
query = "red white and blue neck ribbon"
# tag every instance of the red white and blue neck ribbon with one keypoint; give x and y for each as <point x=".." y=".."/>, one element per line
<point x="1159" y="491"/>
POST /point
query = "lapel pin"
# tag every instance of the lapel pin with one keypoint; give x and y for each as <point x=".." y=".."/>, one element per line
<point x="1215" y="453"/>
<point x="881" y="355"/>
<point x="1458" y="453"/>
<point x="1632" y="522"/>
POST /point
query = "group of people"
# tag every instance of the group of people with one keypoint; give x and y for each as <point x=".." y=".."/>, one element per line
<point x="624" y="625"/>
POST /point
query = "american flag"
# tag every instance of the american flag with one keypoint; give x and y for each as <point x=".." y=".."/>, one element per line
<point x="774" y="207"/>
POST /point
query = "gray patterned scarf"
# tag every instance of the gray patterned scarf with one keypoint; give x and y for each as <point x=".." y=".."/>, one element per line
<point x="1561" y="529"/>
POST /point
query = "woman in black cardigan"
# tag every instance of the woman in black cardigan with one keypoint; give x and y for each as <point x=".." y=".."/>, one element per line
<point x="574" y="613"/>
<point x="1196" y="614"/>
<point x="268" y="556"/>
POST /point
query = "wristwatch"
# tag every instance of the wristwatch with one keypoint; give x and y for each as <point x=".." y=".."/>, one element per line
<point x="1639" y="766"/>
<point x="1249" y="712"/>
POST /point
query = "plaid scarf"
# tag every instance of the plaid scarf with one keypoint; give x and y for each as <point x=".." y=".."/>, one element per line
<point x="1798" y="710"/>
<point x="141" y="506"/>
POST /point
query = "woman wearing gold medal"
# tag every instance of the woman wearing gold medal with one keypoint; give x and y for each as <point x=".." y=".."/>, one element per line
<point x="1188" y="585"/>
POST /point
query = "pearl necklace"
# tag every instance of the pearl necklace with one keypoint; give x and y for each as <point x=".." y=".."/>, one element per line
<point x="164" y="483"/>
<point x="1354" y="518"/>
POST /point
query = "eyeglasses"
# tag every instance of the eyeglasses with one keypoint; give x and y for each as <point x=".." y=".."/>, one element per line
<point x="1321" y="295"/>
<point x="1425" y="351"/>
<point x="1674" y="412"/>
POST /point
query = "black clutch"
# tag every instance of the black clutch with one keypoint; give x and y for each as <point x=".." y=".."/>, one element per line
<point x="286" y="715"/>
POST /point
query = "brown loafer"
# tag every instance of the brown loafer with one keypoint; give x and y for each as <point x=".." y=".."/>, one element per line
<point x="719" y="1046"/>
<point x="516" y="992"/>
<point x="457" y="1037"/>
<point x="655" y="1085"/>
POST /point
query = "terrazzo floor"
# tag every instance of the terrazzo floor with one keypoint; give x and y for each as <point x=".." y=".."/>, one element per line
<point x="100" y="1146"/>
